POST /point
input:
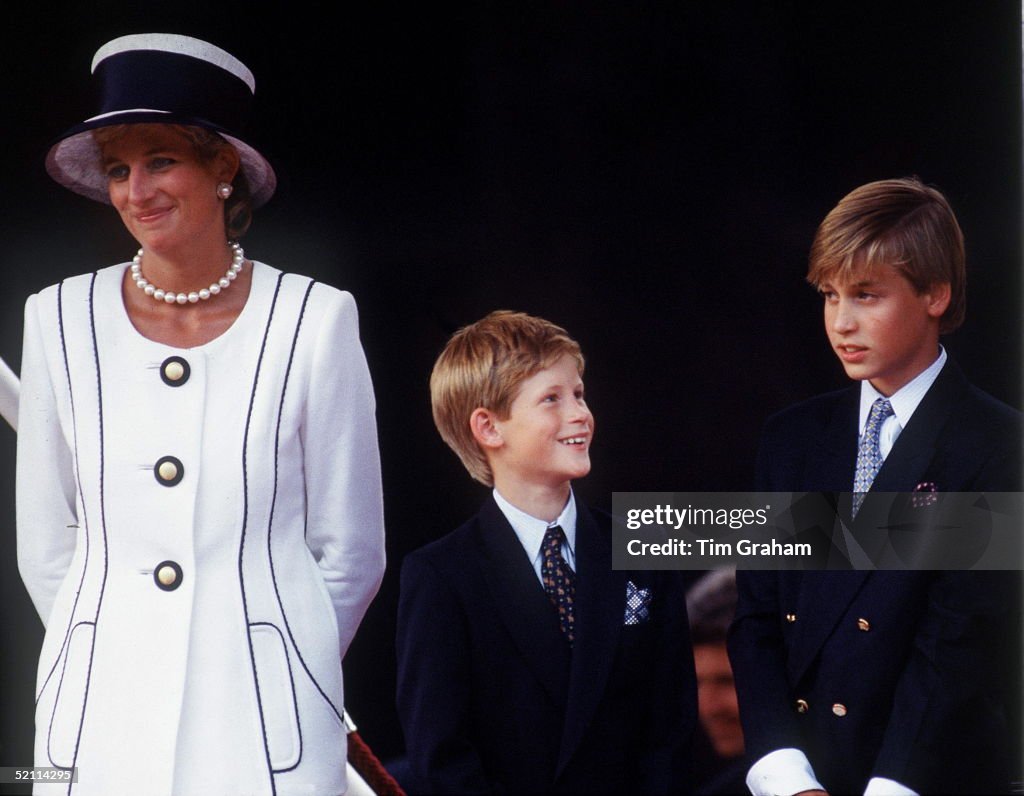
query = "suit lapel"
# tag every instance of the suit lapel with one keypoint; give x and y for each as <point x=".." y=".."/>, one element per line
<point x="909" y="459"/>
<point x="600" y="606"/>
<point x="825" y="595"/>
<point x="831" y="464"/>
<point x="823" y="600"/>
<point x="521" y="603"/>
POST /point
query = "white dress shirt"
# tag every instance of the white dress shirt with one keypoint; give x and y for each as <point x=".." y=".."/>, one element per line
<point x="530" y="531"/>
<point x="904" y="402"/>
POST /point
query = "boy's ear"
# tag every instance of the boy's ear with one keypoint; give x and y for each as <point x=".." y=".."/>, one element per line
<point x="485" y="429"/>
<point x="938" y="296"/>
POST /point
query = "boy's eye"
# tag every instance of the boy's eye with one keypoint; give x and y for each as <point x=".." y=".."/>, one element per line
<point x="828" y="295"/>
<point x="551" y="397"/>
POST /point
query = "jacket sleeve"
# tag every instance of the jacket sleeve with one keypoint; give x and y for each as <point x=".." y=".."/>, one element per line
<point x="758" y="657"/>
<point x="45" y="490"/>
<point x="434" y="682"/>
<point x="344" y="503"/>
<point x="756" y="647"/>
<point x="956" y="718"/>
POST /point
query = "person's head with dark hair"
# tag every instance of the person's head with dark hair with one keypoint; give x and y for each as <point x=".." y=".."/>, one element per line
<point x="711" y="603"/>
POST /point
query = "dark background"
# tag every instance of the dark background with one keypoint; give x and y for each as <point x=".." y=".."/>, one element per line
<point x="647" y="175"/>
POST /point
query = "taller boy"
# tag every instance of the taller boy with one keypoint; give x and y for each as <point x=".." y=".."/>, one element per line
<point x="525" y="663"/>
<point x="882" y="682"/>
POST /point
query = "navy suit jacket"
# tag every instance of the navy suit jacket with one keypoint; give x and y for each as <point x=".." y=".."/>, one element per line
<point x="905" y="675"/>
<point x="492" y="698"/>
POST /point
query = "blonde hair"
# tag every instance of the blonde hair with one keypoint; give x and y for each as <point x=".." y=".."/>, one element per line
<point x="483" y="365"/>
<point x="207" y="145"/>
<point x="900" y="223"/>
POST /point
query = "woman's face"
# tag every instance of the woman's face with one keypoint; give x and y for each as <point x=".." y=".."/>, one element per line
<point x="167" y="198"/>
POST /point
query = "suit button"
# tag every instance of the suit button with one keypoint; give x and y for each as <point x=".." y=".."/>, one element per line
<point x="174" y="371"/>
<point x="169" y="471"/>
<point x="801" y="706"/>
<point x="839" y="709"/>
<point x="863" y="624"/>
<point x="167" y="575"/>
<point x="791" y="618"/>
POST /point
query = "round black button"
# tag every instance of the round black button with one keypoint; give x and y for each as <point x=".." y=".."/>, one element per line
<point x="174" y="371"/>
<point x="169" y="471"/>
<point x="167" y="575"/>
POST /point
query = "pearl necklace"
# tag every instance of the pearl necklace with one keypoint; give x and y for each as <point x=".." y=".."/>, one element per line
<point x="170" y="297"/>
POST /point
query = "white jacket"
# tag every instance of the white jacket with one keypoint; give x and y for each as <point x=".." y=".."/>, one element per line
<point x="195" y="625"/>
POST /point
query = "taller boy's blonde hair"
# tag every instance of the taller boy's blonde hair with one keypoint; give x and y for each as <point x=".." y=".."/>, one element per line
<point x="900" y="223"/>
<point x="483" y="365"/>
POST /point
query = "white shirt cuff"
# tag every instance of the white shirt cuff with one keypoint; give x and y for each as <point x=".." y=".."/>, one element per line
<point x="880" y="786"/>
<point x="782" y="773"/>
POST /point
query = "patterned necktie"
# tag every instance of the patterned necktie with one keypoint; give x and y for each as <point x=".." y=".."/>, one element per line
<point x="559" y="579"/>
<point x="869" y="454"/>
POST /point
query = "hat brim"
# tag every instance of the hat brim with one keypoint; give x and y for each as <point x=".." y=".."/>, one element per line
<point x="75" y="160"/>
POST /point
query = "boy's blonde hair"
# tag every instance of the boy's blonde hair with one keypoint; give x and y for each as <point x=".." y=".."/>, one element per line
<point x="901" y="223"/>
<point x="483" y="365"/>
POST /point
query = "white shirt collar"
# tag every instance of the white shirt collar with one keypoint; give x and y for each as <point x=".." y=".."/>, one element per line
<point x="906" y="399"/>
<point x="530" y="529"/>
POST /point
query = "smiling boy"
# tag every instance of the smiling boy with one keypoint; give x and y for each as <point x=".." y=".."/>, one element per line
<point x="525" y="663"/>
<point x="884" y="682"/>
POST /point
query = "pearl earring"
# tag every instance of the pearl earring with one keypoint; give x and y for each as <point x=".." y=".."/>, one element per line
<point x="224" y="190"/>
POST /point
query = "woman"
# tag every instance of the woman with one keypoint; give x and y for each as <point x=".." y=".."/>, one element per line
<point x="200" y="521"/>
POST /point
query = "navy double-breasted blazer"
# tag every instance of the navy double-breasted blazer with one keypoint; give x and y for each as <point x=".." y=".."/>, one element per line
<point x="492" y="698"/>
<point x="897" y="674"/>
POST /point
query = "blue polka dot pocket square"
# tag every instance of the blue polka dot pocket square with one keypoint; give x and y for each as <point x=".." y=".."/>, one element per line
<point x="638" y="604"/>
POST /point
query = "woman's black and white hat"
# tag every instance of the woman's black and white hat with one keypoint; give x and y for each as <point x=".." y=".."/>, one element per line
<point x="163" y="78"/>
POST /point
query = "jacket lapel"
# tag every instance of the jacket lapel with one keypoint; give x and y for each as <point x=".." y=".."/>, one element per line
<point x="909" y="459"/>
<point x="600" y="606"/>
<point x="521" y="603"/>
<point x="824" y="595"/>
<point x="830" y="469"/>
<point x="822" y="602"/>
<point x="831" y="463"/>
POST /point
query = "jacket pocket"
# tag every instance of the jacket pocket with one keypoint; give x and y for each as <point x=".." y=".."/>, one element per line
<point x="278" y="708"/>
<point x="69" y="704"/>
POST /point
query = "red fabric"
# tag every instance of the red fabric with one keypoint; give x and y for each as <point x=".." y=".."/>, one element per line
<point x="370" y="768"/>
